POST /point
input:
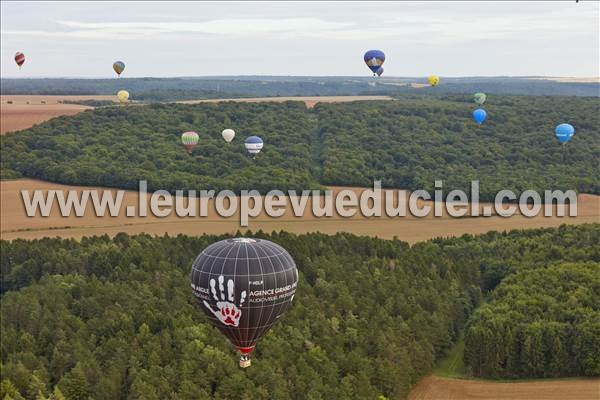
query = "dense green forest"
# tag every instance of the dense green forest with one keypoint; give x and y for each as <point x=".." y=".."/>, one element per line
<point x="543" y="322"/>
<point x="406" y="143"/>
<point x="114" y="318"/>
<point x="161" y="89"/>
<point x="117" y="147"/>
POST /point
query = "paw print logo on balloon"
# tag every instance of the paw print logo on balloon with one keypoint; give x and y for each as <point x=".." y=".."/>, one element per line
<point x="227" y="311"/>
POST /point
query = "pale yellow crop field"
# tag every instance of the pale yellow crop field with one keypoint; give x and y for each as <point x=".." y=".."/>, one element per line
<point x="15" y="223"/>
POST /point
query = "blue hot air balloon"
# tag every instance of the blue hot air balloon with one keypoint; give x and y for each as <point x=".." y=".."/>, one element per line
<point x="479" y="116"/>
<point x="374" y="59"/>
<point x="564" y="132"/>
<point x="254" y="145"/>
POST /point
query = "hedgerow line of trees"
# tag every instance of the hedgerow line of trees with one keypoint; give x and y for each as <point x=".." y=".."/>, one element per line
<point x="114" y="318"/>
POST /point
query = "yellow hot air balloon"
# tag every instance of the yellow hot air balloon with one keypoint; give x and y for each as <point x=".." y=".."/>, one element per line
<point x="123" y="96"/>
<point x="433" y="80"/>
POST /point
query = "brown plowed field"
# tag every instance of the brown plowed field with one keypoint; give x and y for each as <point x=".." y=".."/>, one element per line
<point x="436" y="388"/>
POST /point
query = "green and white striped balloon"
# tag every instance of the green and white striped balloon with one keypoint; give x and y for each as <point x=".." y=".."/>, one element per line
<point x="190" y="140"/>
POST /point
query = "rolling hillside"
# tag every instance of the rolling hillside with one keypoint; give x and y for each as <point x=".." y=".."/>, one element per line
<point x="406" y="143"/>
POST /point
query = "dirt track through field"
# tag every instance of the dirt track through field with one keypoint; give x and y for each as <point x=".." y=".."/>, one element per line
<point x="15" y="223"/>
<point x="436" y="388"/>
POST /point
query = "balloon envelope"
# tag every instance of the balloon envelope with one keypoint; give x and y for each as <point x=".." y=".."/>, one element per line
<point x="190" y="140"/>
<point x="564" y="132"/>
<point x="479" y="98"/>
<point x="123" y="96"/>
<point x="374" y="59"/>
<point x="119" y="66"/>
<point x="228" y="135"/>
<point x="433" y="80"/>
<point x="254" y="145"/>
<point x="20" y="59"/>
<point x="479" y="116"/>
<point x="244" y="286"/>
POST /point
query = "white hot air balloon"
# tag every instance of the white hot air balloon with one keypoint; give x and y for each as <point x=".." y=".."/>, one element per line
<point x="228" y="135"/>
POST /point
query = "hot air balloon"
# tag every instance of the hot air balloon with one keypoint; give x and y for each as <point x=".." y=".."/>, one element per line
<point x="119" y="66"/>
<point x="479" y="98"/>
<point x="379" y="71"/>
<point x="564" y="132"/>
<point x="254" y="145"/>
<point x="20" y="59"/>
<point x="479" y="116"/>
<point x="228" y="135"/>
<point x="123" y="96"/>
<point x="433" y="80"/>
<point x="374" y="60"/>
<point x="244" y="286"/>
<point x="190" y="140"/>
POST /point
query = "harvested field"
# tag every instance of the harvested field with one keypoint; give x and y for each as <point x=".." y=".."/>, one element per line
<point x="19" y="112"/>
<point x="15" y="223"/>
<point x="436" y="388"/>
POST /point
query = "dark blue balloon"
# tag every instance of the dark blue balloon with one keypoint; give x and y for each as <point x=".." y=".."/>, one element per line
<point x="374" y="59"/>
<point x="254" y="139"/>
<point x="254" y="145"/>
<point x="479" y="116"/>
<point x="564" y="132"/>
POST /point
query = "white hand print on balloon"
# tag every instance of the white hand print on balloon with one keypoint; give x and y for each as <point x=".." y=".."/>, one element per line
<point x="227" y="312"/>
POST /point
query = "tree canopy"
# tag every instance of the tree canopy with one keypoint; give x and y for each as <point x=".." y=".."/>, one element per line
<point x="114" y="318"/>
<point x="407" y="143"/>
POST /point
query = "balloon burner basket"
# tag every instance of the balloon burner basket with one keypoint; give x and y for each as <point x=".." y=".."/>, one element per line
<point x="245" y="362"/>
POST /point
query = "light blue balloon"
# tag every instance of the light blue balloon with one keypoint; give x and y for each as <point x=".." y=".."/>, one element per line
<point x="564" y="132"/>
<point x="479" y="116"/>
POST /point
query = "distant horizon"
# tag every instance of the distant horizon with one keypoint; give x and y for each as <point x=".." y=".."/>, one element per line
<point x="189" y="39"/>
<point x="302" y="76"/>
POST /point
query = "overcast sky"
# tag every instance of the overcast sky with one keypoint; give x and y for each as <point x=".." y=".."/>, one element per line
<point x="70" y="39"/>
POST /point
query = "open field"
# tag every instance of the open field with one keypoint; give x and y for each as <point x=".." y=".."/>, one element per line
<point x="15" y="223"/>
<point x="26" y="111"/>
<point x="309" y="101"/>
<point x="436" y="388"/>
<point x="37" y="99"/>
<point x="568" y="79"/>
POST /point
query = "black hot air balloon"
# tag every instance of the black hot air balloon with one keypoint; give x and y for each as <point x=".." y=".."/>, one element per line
<point x="244" y="286"/>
